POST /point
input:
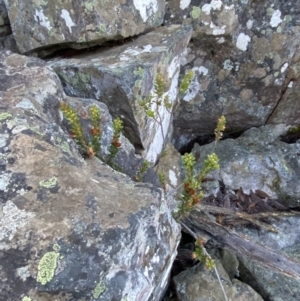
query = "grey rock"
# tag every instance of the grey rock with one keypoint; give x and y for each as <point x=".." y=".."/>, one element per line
<point x="122" y="76"/>
<point x="259" y="160"/>
<point x="71" y="229"/>
<point x="80" y="24"/>
<point x="9" y="43"/>
<point x="3" y="14"/>
<point x="200" y="284"/>
<point x="245" y="55"/>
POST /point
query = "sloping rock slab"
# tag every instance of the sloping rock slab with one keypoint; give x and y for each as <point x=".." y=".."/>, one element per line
<point x="259" y="160"/>
<point x="70" y="229"/>
<point x="122" y="76"/>
<point x="80" y="23"/>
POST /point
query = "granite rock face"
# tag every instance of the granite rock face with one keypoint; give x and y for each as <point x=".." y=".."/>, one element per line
<point x="80" y="24"/>
<point x="245" y="56"/>
<point x="122" y="76"/>
<point x="70" y="229"/>
<point x="259" y="160"/>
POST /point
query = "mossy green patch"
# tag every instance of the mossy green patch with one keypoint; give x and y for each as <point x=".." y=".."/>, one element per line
<point x="102" y="27"/>
<point x="89" y="5"/>
<point x="47" y="267"/>
<point x="4" y="116"/>
<point x="270" y="11"/>
<point x="26" y="299"/>
<point x="64" y="145"/>
<point x="99" y="289"/>
<point x="48" y="183"/>
<point x="139" y="72"/>
<point x="195" y="13"/>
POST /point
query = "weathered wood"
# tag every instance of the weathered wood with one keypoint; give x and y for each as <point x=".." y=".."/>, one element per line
<point x="240" y="245"/>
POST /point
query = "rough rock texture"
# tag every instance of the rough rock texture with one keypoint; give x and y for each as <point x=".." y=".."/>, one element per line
<point x="169" y="166"/>
<point x="3" y="14"/>
<point x="79" y="24"/>
<point x="200" y="284"/>
<point x="245" y="55"/>
<point x="9" y="43"/>
<point x="123" y="76"/>
<point x="272" y="284"/>
<point x="259" y="160"/>
<point x="70" y="229"/>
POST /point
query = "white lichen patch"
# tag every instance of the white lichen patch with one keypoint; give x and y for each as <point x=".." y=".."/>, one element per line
<point x="220" y="40"/>
<point x="184" y="4"/>
<point x="249" y="24"/>
<point x="173" y="66"/>
<point x="290" y="85"/>
<point x="228" y="65"/>
<point x="242" y="41"/>
<point x="13" y="220"/>
<point x="23" y="272"/>
<point x="275" y="19"/>
<point x="4" y="181"/>
<point x="145" y="7"/>
<point x="26" y="104"/>
<point x="214" y="4"/>
<point x="3" y="142"/>
<point x="200" y="70"/>
<point x="229" y="7"/>
<point x="217" y="30"/>
<point x="173" y="178"/>
<point x="134" y="51"/>
<point x="284" y="67"/>
<point x="42" y="19"/>
<point x="67" y="18"/>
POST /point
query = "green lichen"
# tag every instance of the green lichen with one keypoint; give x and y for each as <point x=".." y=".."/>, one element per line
<point x="99" y="289"/>
<point x="138" y="83"/>
<point x="140" y="72"/>
<point x="270" y="11"/>
<point x="89" y="6"/>
<point x="125" y="298"/>
<point x="64" y="145"/>
<point x="56" y="247"/>
<point x="48" y="183"/>
<point x="195" y="13"/>
<point x="4" y="116"/>
<point x="47" y="267"/>
<point x="26" y="299"/>
<point x="288" y="18"/>
<point x="102" y="27"/>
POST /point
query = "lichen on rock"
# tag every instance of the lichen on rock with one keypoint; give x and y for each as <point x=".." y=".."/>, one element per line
<point x="47" y="267"/>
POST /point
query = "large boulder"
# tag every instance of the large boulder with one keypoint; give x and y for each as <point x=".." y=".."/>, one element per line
<point x="258" y="160"/>
<point x="80" y="24"/>
<point x="123" y="76"/>
<point x="70" y="229"/>
<point x="245" y="55"/>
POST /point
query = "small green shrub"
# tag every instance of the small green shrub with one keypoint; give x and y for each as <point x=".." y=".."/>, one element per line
<point x="142" y="171"/>
<point x="92" y="148"/>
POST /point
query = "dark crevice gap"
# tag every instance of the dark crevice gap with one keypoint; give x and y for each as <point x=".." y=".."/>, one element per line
<point x="182" y="262"/>
<point x="206" y="139"/>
